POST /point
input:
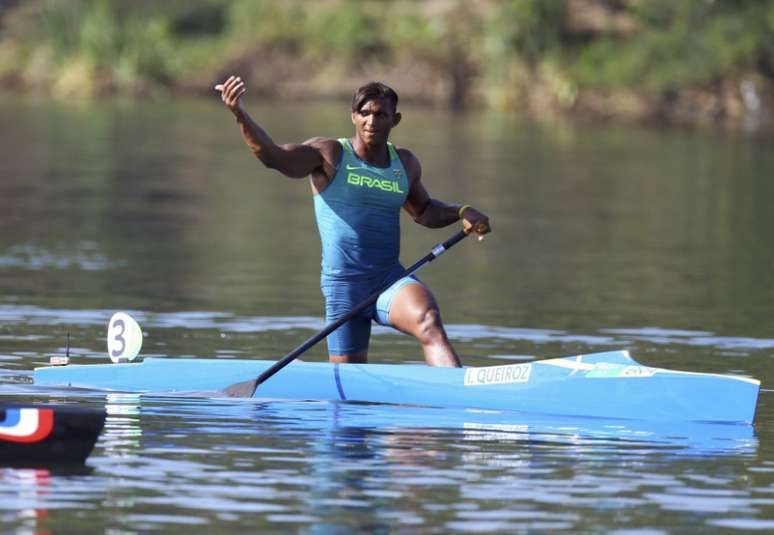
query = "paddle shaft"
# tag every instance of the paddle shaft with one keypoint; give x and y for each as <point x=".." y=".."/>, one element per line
<point x="437" y="251"/>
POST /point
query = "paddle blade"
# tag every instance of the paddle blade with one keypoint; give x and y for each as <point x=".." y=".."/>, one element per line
<point x="245" y="389"/>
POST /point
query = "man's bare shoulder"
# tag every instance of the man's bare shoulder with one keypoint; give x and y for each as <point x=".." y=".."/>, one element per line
<point x="321" y="143"/>
<point x="327" y="147"/>
<point x="410" y="161"/>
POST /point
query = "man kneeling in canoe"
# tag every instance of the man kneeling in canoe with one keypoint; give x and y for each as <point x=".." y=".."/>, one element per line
<point x="359" y="186"/>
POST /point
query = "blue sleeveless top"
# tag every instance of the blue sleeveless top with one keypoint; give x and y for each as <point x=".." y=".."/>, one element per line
<point x="358" y="216"/>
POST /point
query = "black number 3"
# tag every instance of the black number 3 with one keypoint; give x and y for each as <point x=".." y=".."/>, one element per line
<point x="119" y="338"/>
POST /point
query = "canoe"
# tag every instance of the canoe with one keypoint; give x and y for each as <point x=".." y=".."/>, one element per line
<point x="32" y="435"/>
<point x="600" y="385"/>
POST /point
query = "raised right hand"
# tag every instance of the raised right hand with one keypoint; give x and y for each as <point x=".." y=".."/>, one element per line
<point x="231" y="92"/>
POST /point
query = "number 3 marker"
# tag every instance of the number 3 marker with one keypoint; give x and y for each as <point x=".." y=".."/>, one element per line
<point x="124" y="338"/>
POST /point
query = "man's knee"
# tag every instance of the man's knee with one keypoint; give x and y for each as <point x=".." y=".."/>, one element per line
<point x="429" y="323"/>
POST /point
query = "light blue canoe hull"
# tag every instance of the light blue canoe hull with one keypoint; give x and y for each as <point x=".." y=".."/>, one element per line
<point x="601" y="385"/>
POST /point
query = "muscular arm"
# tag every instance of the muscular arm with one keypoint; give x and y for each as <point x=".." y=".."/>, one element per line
<point x="434" y="213"/>
<point x="430" y="212"/>
<point x="292" y="160"/>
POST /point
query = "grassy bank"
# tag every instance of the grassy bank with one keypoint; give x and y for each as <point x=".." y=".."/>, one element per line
<point x="692" y="60"/>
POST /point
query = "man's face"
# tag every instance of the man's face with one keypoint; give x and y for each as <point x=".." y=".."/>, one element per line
<point x="374" y="121"/>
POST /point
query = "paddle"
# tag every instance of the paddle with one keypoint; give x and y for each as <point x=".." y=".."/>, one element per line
<point x="246" y="389"/>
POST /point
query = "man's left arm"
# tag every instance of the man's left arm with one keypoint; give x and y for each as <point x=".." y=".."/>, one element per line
<point x="434" y="213"/>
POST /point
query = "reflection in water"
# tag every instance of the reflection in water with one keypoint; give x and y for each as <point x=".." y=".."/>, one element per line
<point x="29" y="496"/>
<point x="365" y="457"/>
<point x="121" y="447"/>
<point x="606" y="237"/>
<point x="328" y="468"/>
<point x="83" y="255"/>
<point x="25" y="505"/>
<point x="122" y="433"/>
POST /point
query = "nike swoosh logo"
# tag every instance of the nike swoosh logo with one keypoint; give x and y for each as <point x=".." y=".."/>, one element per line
<point x="353" y="167"/>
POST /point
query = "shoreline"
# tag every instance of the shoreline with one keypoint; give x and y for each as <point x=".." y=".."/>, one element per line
<point x="693" y="108"/>
<point x="689" y="64"/>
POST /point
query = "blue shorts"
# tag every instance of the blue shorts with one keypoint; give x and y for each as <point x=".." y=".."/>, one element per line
<point x="343" y="296"/>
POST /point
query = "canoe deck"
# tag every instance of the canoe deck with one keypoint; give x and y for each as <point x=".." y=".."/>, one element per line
<point x="603" y="385"/>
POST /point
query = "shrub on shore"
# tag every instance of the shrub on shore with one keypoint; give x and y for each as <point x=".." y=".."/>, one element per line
<point x="625" y="57"/>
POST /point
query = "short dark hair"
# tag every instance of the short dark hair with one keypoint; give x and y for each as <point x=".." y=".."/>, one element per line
<point x="371" y="91"/>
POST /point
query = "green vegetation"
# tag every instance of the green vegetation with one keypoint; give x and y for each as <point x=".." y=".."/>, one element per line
<point x="707" y="58"/>
<point x="683" y="43"/>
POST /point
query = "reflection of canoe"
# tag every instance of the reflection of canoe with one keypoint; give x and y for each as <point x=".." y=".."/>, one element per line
<point x="630" y="437"/>
<point x="436" y="427"/>
<point x="608" y="385"/>
<point x="47" y="434"/>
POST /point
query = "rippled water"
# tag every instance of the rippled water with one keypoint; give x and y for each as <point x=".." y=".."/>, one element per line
<point x="606" y="238"/>
<point x="164" y="463"/>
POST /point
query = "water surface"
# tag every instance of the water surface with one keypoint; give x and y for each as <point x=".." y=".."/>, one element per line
<point x="606" y="237"/>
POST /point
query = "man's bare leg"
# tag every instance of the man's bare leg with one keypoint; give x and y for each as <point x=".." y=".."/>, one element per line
<point x="415" y="312"/>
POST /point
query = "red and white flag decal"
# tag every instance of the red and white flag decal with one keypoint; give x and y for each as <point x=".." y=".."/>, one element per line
<point x="26" y="424"/>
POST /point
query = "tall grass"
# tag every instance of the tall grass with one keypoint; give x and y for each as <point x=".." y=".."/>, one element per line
<point x="499" y="51"/>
